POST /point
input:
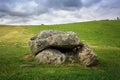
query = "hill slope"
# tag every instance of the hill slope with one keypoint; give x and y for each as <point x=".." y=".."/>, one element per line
<point x="102" y="36"/>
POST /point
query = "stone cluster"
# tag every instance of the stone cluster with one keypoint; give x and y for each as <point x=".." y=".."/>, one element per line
<point x="56" y="47"/>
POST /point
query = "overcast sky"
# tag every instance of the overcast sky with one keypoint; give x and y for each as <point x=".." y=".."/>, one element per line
<point x="56" y="11"/>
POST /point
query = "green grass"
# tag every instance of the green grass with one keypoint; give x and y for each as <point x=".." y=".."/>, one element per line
<point x="102" y="36"/>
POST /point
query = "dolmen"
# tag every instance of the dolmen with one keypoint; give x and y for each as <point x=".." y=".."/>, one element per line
<point x="58" y="47"/>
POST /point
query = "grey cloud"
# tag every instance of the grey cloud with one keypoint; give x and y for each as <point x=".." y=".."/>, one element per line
<point x="110" y="4"/>
<point x="44" y="6"/>
<point x="88" y="3"/>
<point x="7" y="7"/>
<point x="64" y="4"/>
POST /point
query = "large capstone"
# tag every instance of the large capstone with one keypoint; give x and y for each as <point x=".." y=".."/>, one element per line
<point x="55" y="39"/>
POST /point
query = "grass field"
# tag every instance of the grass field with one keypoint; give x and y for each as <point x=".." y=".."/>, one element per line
<point x="102" y="36"/>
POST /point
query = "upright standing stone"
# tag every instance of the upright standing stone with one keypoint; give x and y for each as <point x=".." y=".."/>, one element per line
<point x="87" y="56"/>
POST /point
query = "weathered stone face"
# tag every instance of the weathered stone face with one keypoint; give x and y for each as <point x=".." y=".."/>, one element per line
<point x="58" y="39"/>
<point x="50" y="56"/>
<point x="87" y="56"/>
<point x="47" y="33"/>
<point x="54" y="47"/>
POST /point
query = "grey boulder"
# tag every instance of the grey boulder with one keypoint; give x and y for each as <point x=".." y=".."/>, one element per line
<point x="50" y="56"/>
<point x="54" y="39"/>
<point x="87" y="56"/>
<point x="56" y="47"/>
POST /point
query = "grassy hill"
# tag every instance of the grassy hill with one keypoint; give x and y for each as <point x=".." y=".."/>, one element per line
<point x="102" y="36"/>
